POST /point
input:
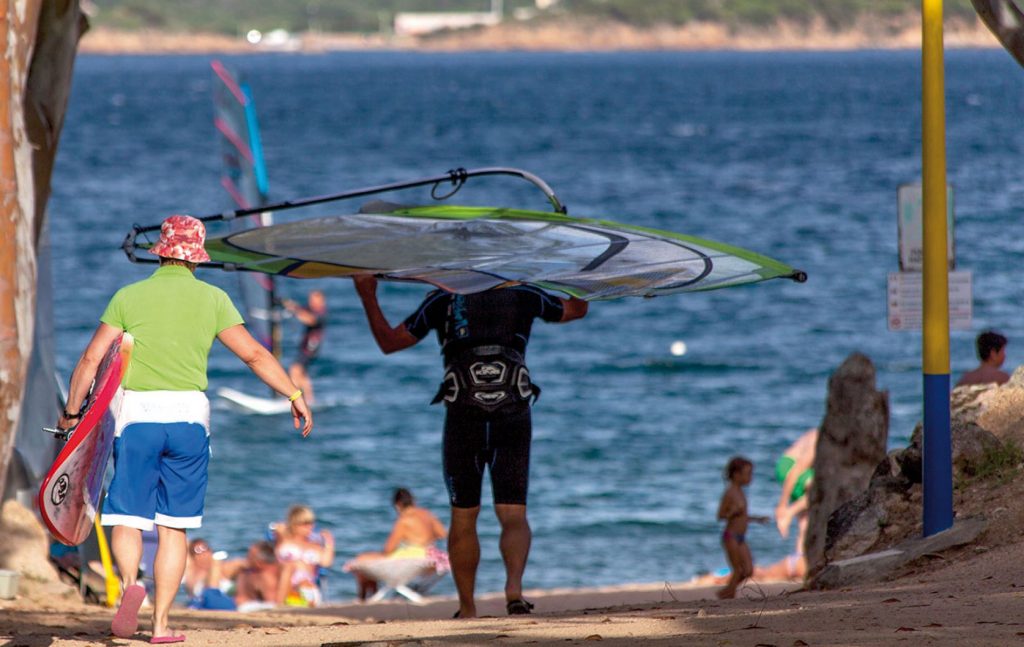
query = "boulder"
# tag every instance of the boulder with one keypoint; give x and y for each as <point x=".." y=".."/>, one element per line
<point x="970" y="444"/>
<point x="910" y="459"/>
<point x="25" y="548"/>
<point x="876" y="518"/>
<point x="890" y="507"/>
<point x="851" y="444"/>
<point x="996" y="409"/>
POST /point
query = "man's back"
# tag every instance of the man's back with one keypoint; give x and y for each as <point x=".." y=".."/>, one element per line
<point x="415" y="527"/>
<point x="500" y="316"/>
<point x="984" y="375"/>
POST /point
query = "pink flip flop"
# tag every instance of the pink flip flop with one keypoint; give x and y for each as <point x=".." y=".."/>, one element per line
<point x="163" y="640"/>
<point x="126" y="620"/>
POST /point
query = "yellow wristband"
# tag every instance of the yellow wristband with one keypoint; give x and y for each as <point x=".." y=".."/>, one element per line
<point x="295" y="396"/>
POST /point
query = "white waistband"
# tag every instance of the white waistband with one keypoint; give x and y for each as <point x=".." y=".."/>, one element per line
<point x="160" y="406"/>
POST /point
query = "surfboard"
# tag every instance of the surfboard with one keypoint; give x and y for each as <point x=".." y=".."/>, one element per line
<point x="70" y="493"/>
<point x="255" y="404"/>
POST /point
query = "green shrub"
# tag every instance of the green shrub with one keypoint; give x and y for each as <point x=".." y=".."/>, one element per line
<point x="1000" y="463"/>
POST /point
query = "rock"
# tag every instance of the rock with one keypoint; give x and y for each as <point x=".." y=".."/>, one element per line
<point x="888" y="513"/>
<point x="851" y="444"/>
<point x="996" y="409"/>
<point x="26" y="546"/>
<point x="971" y="445"/>
<point x="910" y="459"/>
<point x="890" y="507"/>
<point x="1017" y="378"/>
<point x="875" y="566"/>
<point x="1002" y="413"/>
<point x="965" y="402"/>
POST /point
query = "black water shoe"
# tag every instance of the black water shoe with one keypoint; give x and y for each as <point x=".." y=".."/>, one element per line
<point x="518" y="607"/>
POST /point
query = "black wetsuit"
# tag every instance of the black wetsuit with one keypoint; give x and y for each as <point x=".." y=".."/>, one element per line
<point x="312" y="337"/>
<point x="476" y="437"/>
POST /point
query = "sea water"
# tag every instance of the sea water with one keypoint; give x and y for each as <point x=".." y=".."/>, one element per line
<point x="796" y="156"/>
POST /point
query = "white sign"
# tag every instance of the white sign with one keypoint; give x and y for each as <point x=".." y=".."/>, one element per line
<point x="911" y="228"/>
<point x="905" y="296"/>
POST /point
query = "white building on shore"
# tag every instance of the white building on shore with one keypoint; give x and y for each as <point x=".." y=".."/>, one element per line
<point x="418" y="23"/>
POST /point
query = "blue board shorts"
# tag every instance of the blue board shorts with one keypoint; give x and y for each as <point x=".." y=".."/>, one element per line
<point x="160" y="468"/>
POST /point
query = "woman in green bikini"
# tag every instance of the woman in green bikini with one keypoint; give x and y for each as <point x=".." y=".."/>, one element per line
<point x="795" y="470"/>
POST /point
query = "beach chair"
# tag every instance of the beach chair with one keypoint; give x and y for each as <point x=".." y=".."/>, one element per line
<point x="410" y="577"/>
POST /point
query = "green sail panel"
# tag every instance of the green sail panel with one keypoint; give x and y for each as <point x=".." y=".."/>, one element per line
<point x="471" y="249"/>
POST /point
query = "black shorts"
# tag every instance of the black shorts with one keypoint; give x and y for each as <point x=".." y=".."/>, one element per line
<point x="472" y="440"/>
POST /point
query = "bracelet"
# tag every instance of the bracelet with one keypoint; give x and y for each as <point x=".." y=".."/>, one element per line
<point x="295" y="396"/>
<point x="71" y="416"/>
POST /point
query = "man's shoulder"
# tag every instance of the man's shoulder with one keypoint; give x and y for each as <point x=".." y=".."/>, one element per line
<point x="135" y="288"/>
<point x="983" y="375"/>
<point x="435" y="297"/>
<point x="529" y="289"/>
<point x="218" y="294"/>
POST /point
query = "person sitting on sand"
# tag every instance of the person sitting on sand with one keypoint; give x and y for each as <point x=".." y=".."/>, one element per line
<point x="415" y="530"/>
<point x="733" y="510"/>
<point x="992" y="353"/>
<point x="303" y="551"/>
<point x="261" y="583"/>
<point x="209" y="578"/>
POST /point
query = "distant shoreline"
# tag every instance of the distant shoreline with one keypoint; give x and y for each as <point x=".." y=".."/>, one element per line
<point x="568" y="36"/>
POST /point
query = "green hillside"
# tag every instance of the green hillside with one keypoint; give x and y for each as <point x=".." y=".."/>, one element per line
<point x="236" y="16"/>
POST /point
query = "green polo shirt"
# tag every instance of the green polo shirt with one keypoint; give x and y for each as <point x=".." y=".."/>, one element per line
<point x="174" y="318"/>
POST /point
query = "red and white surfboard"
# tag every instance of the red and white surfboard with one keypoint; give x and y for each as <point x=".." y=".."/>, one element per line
<point x="70" y="493"/>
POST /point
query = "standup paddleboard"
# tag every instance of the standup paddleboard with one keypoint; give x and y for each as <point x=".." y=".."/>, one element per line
<point x="70" y="493"/>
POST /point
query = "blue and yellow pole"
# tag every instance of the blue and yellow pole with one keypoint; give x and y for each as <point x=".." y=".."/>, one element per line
<point x="938" y="463"/>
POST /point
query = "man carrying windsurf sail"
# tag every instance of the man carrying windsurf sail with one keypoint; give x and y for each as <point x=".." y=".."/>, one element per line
<point x="488" y="392"/>
<point x="161" y="446"/>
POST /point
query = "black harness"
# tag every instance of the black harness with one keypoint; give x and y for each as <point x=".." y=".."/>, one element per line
<point x="487" y="377"/>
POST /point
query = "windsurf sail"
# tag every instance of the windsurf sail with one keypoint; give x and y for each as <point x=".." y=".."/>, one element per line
<point x="471" y="249"/>
<point x="244" y="177"/>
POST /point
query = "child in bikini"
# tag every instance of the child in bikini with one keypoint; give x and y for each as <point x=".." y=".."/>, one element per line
<point x="733" y="509"/>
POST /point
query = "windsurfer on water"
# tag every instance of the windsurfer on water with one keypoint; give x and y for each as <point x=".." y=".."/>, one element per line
<point x="313" y="316"/>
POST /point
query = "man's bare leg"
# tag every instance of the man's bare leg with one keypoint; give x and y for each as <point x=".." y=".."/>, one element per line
<point x="126" y="544"/>
<point x="515" y="546"/>
<point x="168" y="567"/>
<point x="464" y="554"/>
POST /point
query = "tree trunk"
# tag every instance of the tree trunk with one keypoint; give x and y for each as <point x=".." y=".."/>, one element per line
<point x="38" y="41"/>
<point x="851" y="443"/>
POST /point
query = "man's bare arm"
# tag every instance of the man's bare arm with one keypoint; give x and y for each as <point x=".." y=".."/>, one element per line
<point x="85" y="372"/>
<point x="389" y="338"/>
<point x="266" y="367"/>
<point x="573" y="308"/>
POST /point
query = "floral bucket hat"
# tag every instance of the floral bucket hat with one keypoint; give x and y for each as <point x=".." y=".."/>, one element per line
<point x="182" y="237"/>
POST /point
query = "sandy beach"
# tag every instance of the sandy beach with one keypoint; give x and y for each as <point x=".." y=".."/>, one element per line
<point x="968" y="598"/>
<point x="964" y="596"/>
